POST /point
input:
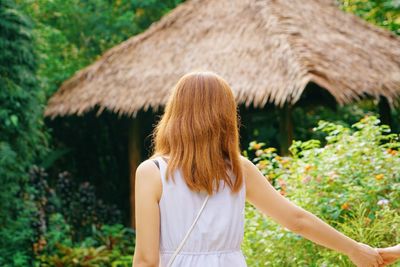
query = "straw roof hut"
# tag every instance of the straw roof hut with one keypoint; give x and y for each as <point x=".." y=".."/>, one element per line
<point x="269" y="51"/>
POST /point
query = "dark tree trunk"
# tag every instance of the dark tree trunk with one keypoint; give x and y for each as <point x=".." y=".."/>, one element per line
<point x="285" y="128"/>
<point x="385" y="112"/>
<point x="135" y="157"/>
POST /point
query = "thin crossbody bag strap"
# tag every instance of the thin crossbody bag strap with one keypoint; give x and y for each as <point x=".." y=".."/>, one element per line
<point x="187" y="234"/>
<point x="178" y="249"/>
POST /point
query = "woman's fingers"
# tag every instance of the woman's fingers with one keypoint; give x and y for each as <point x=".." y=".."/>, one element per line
<point x="380" y="259"/>
<point x="387" y="255"/>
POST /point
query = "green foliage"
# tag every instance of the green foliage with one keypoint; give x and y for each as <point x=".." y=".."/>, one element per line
<point x="36" y="56"/>
<point x="22" y="139"/>
<point x="305" y="117"/>
<point x="111" y="245"/>
<point x="384" y="13"/>
<point x="352" y="182"/>
<point x="72" y="34"/>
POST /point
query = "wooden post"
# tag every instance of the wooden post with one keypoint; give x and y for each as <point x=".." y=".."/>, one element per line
<point x="285" y="128"/>
<point x="385" y="112"/>
<point x="134" y="150"/>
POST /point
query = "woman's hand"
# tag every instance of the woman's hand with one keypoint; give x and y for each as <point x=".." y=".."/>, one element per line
<point x="364" y="256"/>
<point x="391" y="254"/>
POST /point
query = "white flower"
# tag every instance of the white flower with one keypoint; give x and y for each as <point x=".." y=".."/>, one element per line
<point x="259" y="152"/>
<point x="383" y="202"/>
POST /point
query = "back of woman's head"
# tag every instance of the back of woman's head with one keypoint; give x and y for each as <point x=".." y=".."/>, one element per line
<point x="198" y="130"/>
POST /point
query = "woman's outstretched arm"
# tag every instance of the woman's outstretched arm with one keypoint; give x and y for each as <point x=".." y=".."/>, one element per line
<point x="269" y="201"/>
<point x="148" y="190"/>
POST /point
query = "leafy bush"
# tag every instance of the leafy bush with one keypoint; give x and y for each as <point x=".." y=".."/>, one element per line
<point x="22" y="139"/>
<point x="352" y="182"/>
<point x="111" y="245"/>
<point x="73" y="227"/>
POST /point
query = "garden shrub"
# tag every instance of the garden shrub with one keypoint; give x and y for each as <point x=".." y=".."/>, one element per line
<point x="23" y="140"/>
<point x="73" y="227"/>
<point x="110" y="245"/>
<point x="352" y="182"/>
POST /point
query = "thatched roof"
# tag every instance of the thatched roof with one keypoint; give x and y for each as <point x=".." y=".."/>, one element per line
<point x="268" y="51"/>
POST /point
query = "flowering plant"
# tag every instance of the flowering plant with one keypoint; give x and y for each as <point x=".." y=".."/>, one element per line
<point x="351" y="181"/>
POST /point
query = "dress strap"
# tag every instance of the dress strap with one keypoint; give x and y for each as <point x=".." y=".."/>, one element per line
<point x="156" y="162"/>
<point x="162" y="166"/>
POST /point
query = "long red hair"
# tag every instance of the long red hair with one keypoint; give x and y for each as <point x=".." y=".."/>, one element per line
<point x="199" y="130"/>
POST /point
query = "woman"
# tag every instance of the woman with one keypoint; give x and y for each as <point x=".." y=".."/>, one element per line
<point x="197" y="152"/>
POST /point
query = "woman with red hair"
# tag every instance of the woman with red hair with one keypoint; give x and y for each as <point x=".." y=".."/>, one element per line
<point x="191" y="193"/>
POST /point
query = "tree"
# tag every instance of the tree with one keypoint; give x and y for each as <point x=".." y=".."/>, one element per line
<point x="22" y="140"/>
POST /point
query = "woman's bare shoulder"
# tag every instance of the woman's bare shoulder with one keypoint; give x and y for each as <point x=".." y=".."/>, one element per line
<point x="245" y="161"/>
<point x="147" y="177"/>
<point x="146" y="167"/>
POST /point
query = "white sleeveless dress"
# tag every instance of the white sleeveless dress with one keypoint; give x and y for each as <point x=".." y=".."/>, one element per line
<point x="217" y="236"/>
